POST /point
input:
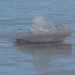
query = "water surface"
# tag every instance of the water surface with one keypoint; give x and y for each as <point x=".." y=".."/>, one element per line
<point x="35" y="59"/>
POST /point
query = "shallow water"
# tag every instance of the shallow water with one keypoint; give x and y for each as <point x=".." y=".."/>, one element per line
<point x="35" y="59"/>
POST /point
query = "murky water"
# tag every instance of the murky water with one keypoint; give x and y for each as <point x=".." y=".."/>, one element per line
<point x="35" y="59"/>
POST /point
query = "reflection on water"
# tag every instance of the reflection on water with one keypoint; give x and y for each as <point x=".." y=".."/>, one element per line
<point x="45" y="52"/>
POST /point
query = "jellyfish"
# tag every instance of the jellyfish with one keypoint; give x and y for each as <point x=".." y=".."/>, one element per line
<point x="42" y="30"/>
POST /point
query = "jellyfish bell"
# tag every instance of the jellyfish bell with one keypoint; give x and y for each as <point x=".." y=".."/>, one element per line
<point x="42" y="30"/>
<point x="41" y="24"/>
<point x="52" y="36"/>
<point x="59" y="27"/>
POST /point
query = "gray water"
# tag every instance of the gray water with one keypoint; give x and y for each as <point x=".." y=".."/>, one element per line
<point x="36" y="59"/>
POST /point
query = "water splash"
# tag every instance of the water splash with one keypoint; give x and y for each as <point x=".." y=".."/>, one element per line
<point x="41" y="23"/>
